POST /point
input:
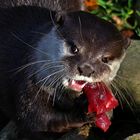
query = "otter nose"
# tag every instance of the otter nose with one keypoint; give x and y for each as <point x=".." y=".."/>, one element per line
<point x="86" y="70"/>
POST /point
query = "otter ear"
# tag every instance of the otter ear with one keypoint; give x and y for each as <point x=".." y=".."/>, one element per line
<point x="127" y="42"/>
<point x="60" y="18"/>
<point x="126" y="38"/>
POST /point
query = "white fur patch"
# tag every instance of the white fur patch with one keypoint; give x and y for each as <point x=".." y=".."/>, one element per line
<point x="59" y="47"/>
<point x="52" y="45"/>
<point x="83" y="78"/>
<point x="115" y="65"/>
<point x="65" y="82"/>
<point x="66" y="50"/>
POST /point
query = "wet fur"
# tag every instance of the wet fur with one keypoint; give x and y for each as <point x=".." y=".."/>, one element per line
<point x="55" y="5"/>
<point x="18" y="92"/>
<point x="23" y="97"/>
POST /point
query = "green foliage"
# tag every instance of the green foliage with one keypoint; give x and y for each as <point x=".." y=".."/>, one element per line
<point x="118" y="12"/>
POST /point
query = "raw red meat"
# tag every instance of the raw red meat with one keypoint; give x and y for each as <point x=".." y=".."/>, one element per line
<point x="100" y="101"/>
<point x="100" y="98"/>
<point x="102" y="121"/>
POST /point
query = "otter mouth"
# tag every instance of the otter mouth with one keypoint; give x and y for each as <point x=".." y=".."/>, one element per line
<point x="100" y="100"/>
<point x="76" y="85"/>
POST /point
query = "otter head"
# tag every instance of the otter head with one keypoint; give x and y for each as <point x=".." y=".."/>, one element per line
<point x="87" y="48"/>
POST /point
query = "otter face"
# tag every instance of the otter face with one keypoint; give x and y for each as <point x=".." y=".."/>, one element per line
<point x="94" y="48"/>
<point x="89" y="48"/>
<point x="94" y="63"/>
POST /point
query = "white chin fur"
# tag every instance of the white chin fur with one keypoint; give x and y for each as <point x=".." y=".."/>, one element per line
<point x="78" y="78"/>
<point x="105" y="78"/>
<point x="83" y="78"/>
<point x="86" y="79"/>
<point x="65" y="82"/>
<point x="115" y="67"/>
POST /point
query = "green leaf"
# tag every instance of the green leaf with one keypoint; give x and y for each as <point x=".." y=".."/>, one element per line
<point x="138" y="12"/>
<point x="109" y="8"/>
<point x="130" y="12"/>
<point x="137" y="30"/>
<point x="129" y="4"/>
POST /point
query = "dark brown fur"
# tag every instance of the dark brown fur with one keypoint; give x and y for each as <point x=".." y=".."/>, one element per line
<point x="21" y="29"/>
<point x="55" y="5"/>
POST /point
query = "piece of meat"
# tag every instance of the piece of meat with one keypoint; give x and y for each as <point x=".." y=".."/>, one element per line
<point x="102" y="121"/>
<point x="100" y="98"/>
<point x="100" y="101"/>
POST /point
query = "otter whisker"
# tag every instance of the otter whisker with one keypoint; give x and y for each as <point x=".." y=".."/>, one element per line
<point x="124" y="98"/>
<point x="117" y="94"/>
<point x="35" y="97"/>
<point x="56" y="88"/>
<point x="49" y="76"/>
<point x="55" y="26"/>
<point x="57" y="80"/>
<point x="62" y="91"/>
<point x="55" y="92"/>
<point x="27" y="65"/>
<point x="128" y="103"/>
<point x="125" y="89"/>
<point x="121" y="78"/>
<point x="43" y="84"/>
<point x="80" y="28"/>
<point x="18" y="38"/>
<point x="119" y="83"/>
<point x="54" y="80"/>
<point x="35" y="62"/>
<point x="118" y="91"/>
<point x="44" y="69"/>
<point x="39" y="32"/>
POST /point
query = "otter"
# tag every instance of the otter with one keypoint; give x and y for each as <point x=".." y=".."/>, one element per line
<point x="40" y="52"/>
<point x="55" y="5"/>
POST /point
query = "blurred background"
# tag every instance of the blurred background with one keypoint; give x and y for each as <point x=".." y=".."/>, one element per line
<point x="125" y="14"/>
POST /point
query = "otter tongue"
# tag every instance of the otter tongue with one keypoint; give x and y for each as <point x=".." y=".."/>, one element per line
<point x="100" y="100"/>
<point x="77" y="85"/>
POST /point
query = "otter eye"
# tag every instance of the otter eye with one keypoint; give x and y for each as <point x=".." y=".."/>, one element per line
<point x="106" y="59"/>
<point x="73" y="48"/>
